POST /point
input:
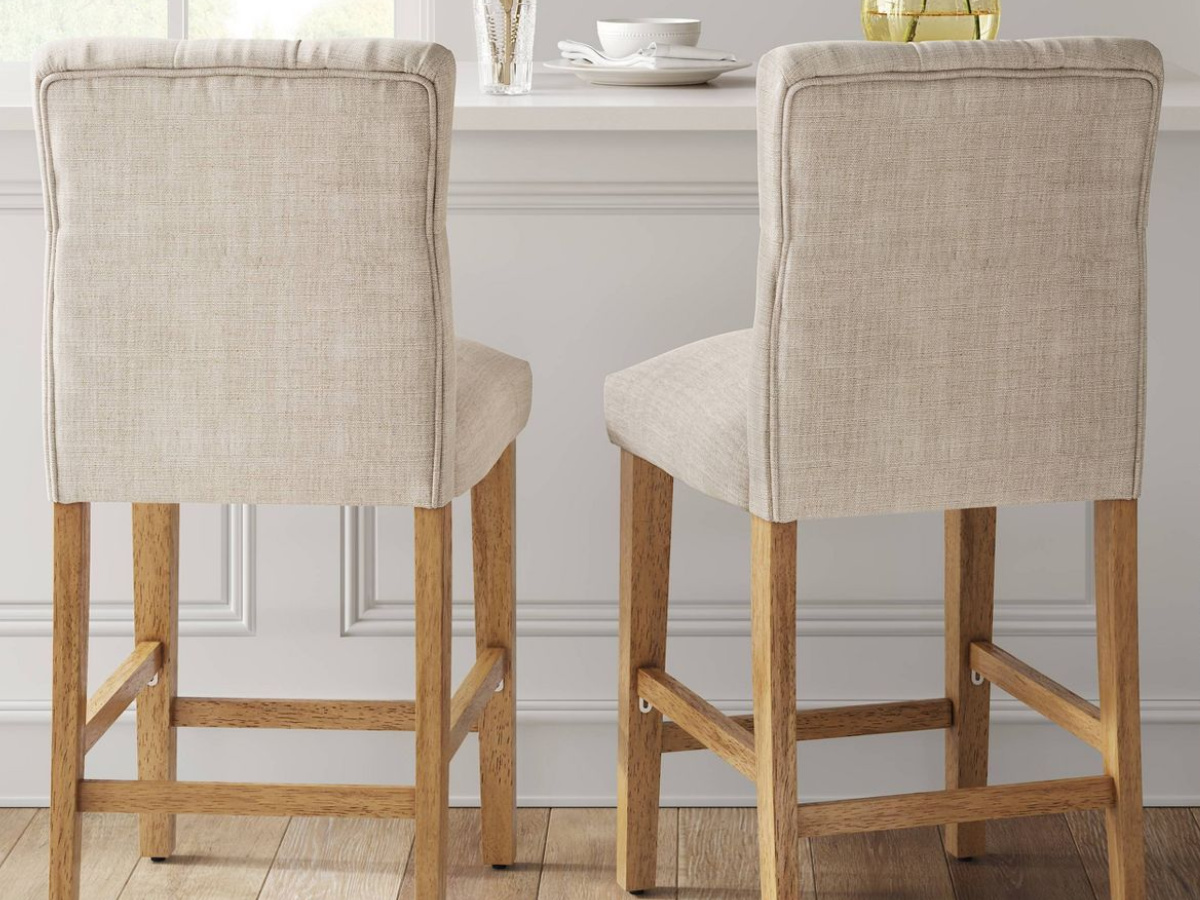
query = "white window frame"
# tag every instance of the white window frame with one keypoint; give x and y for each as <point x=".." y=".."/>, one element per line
<point x="414" y="19"/>
<point x="177" y="18"/>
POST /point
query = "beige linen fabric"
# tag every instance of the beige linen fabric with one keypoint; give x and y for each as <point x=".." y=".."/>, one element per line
<point x="248" y="292"/>
<point x="494" y="390"/>
<point x="686" y="412"/>
<point x="951" y="284"/>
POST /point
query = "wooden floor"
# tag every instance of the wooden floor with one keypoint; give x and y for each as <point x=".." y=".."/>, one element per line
<point x="567" y="854"/>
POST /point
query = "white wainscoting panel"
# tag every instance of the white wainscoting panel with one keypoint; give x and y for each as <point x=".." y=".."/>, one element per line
<point x="365" y="612"/>
<point x="585" y="253"/>
<point x="229" y="614"/>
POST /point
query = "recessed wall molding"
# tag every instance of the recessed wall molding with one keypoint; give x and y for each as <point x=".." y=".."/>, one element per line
<point x="358" y="568"/>
<point x="20" y="196"/>
<point x="229" y="615"/>
<point x="570" y="711"/>
<point x="613" y="197"/>
<point x="365" y="613"/>
<point x="828" y="618"/>
<point x="1005" y="710"/>
<point x="538" y="197"/>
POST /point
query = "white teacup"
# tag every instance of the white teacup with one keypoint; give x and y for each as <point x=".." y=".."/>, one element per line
<point x="622" y="37"/>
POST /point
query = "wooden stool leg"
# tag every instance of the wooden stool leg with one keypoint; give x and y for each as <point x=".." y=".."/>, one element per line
<point x="969" y="589"/>
<point x="493" y="523"/>
<point x="433" y="624"/>
<point x="72" y="537"/>
<point x="646" y="494"/>
<point x="156" y="618"/>
<point x="1120" y="714"/>
<point x="773" y="643"/>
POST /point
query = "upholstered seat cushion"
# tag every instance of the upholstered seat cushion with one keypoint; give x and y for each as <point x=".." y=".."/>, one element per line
<point x="493" y="399"/>
<point x="685" y="411"/>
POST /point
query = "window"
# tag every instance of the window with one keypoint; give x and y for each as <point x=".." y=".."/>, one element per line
<point x="26" y="24"/>
<point x="290" y="18"/>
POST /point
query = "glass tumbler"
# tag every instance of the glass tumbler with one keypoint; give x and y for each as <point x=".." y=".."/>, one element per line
<point x="930" y="20"/>
<point x="504" y="31"/>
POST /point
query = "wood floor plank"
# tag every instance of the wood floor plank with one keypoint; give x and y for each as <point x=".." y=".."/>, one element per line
<point x="899" y="865"/>
<point x="110" y="852"/>
<point x="1172" y="852"/>
<point x="581" y="856"/>
<point x="216" y="858"/>
<point x="709" y="853"/>
<point x="13" y="823"/>
<point x="340" y="859"/>
<point x="470" y="879"/>
<point x="718" y="855"/>
<point x="1027" y="859"/>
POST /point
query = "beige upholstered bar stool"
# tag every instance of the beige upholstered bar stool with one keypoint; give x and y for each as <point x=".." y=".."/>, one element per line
<point x="950" y="315"/>
<point x="248" y="302"/>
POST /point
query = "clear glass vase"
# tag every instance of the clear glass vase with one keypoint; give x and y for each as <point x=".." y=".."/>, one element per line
<point x="930" y="20"/>
<point x="504" y="32"/>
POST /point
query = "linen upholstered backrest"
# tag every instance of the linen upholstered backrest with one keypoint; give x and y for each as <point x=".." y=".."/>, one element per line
<point x="247" y="281"/>
<point x="951" y="298"/>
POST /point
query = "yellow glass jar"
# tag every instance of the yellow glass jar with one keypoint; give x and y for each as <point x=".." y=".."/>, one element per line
<point x="930" y="20"/>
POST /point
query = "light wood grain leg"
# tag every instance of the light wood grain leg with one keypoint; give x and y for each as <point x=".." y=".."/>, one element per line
<point x="493" y="538"/>
<point x="969" y="589"/>
<point x="72" y="538"/>
<point x="156" y="618"/>
<point x="433" y="622"/>
<point x="1120" y="715"/>
<point x="646" y="494"/>
<point x="773" y="648"/>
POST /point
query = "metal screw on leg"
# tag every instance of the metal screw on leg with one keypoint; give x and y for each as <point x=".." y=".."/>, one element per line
<point x="644" y="705"/>
<point x="976" y="678"/>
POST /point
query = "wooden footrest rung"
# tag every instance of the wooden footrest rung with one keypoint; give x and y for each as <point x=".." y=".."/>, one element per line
<point x="839" y="721"/>
<point x="119" y="690"/>
<point x="339" y="715"/>
<point x="232" y="799"/>
<point x="1003" y="801"/>
<point x="699" y="719"/>
<point x="1057" y="703"/>
<point x="345" y="715"/>
<point x="474" y="694"/>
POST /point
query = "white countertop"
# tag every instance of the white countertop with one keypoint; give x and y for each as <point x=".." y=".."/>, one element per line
<point x="564" y="103"/>
<point x="561" y="102"/>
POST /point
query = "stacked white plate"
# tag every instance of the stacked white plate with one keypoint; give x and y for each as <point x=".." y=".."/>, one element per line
<point x="702" y="72"/>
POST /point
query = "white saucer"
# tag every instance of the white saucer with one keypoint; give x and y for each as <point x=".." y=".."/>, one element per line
<point x="701" y="73"/>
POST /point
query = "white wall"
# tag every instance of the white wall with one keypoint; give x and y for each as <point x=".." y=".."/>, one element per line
<point x="751" y="27"/>
<point x="581" y="290"/>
